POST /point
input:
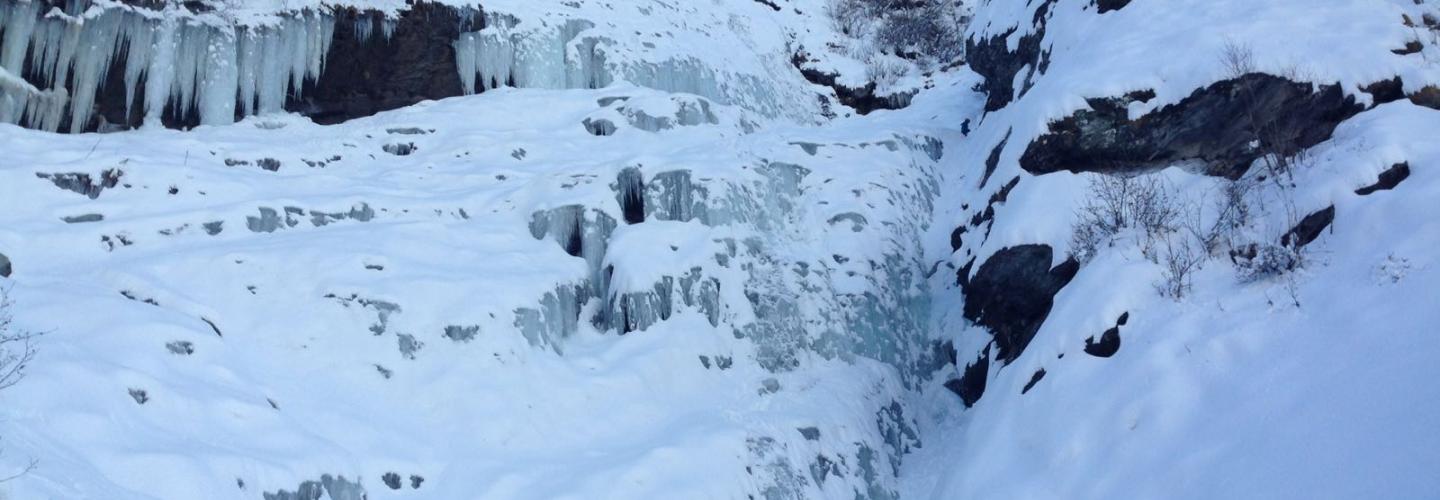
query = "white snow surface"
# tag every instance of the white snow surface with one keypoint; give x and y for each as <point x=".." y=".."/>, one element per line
<point x="786" y="288"/>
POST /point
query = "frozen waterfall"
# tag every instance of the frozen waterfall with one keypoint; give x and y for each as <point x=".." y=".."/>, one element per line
<point x="193" y="68"/>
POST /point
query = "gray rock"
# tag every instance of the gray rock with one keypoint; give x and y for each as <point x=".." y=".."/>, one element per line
<point x="268" y="222"/>
<point x="1215" y="125"/>
<point x="83" y="184"/>
<point x="408" y="345"/>
<point x="1012" y="293"/>
<point x="462" y="333"/>
<point x="80" y="219"/>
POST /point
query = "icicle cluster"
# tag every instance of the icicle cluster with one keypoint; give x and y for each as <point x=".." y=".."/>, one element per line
<point x="499" y="55"/>
<point x="192" y="68"/>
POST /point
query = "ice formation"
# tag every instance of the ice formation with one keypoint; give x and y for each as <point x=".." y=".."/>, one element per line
<point x="189" y="67"/>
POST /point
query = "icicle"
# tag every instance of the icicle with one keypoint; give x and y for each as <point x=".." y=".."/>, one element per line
<point x="193" y="68"/>
<point x="364" y="28"/>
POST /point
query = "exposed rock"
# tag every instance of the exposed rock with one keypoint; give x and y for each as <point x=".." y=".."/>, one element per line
<point x="400" y="149"/>
<point x="599" y="127"/>
<point x="1107" y="6"/>
<point x="1385" y="91"/>
<point x="81" y="219"/>
<point x="1034" y="379"/>
<point x="364" y="77"/>
<point x="330" y="487"/>
<point x="1218" y="125"/>
<point x="139" y="395"/>
<point x="1390" y="178"/>
<point x="180" y="347"/>
<point x="82" y="183"/>
<point x="1309" y="228"/>
<point x="1428" y="96"/>
<point x="993" y="161"/>
<point x="408" y="345"/>
<point x="1411" y="47"/>
<point x="1012" y="293"/>
<point x="971" y="384"/>
<point x="462" y="333"/>
<point x="863" y="100"/>
<point x="392" y="480"/>
<point x="268" y="221"/>
<point x="6" y="269"/>
<point x="1109" y="343"/>
<point x="810" y="433"/>
<point x="992" y="58"/>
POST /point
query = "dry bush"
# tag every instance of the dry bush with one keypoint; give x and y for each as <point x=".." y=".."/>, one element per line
<point x="1119" y="203"/>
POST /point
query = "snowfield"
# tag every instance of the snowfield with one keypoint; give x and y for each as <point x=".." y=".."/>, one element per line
<point x="657" y="262"/>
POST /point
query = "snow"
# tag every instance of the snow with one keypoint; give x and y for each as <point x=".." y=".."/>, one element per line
<point x="323" y="319"/>
<point x="729" y="296"/>
<point x="1307" y="385"/>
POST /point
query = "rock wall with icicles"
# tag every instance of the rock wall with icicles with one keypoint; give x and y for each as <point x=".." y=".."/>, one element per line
<point x="192" y="69"/>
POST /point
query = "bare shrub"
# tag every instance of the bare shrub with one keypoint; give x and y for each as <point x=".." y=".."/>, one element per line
<point x="1179" y="262"/>
<point x="928" y="31"/>
<point x="1277" y="140"/>
<point x="1119" y="203"/>
<point x="1213" y="222"/>
<point x="17" y="349"/>
<point x="1263" y="261"/>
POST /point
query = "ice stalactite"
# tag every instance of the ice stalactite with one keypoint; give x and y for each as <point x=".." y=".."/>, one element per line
<point x="198" y="71"/>
<point x="499" y="55"/>
<point x="365" y="27"/>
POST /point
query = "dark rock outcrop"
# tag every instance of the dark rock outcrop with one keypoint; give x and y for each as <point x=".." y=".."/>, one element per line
<point x="1109" y="342"/>
<point x="992" y="59"/>
<point x="1390" y="178"/>
<point x="863" y="100"/>
<point x="334" y="488"/>
<point x="364" y="77"/>
<point x="1385" y="91"/>
<point x="1034" y="379"/>
<point x="1012" y="293"/>
<point x="1218" y="125"/>
<point x="971" y="384"/>
<point x="1309" y="228"/>
<point x="6" y="269"/>
<point x="1109" y="5"/>
<point x="1428" y="96"/>
<point x="83" y="183"/>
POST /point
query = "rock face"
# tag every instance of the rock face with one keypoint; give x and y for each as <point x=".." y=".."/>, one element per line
<point x="1390" y="178"/>
<point x="366" y="76"/>
<point x="5" y="268"/>
<point x="863" y="100"/>
<point x="1309" y="228"/>
<point x="1219" y="125"/>
<point x="971" y="384"/>
<point x="1012" y="293"/>
<point x="362" y="75"/>
<point x="993" y="59"/>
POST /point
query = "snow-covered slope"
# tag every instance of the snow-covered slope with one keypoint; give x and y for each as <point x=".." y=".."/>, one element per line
<point x="635" y="253"/>
<point x="290" y="301"/>
<point x="1303" y="383"/>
